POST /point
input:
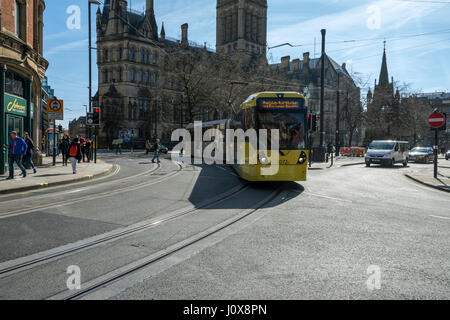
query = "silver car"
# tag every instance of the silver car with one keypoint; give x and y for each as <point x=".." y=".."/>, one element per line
<point x="420" y="154"/>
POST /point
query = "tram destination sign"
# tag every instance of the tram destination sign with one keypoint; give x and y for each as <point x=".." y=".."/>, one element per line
<point x="280" y="104"/>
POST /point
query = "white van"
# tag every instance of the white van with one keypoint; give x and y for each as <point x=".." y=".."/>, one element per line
<point x="387" y="153"/>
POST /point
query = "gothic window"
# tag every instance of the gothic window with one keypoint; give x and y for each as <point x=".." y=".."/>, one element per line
<point x="120" y="74"/>
<point x="143" y="56"/>
<point x="132" y="54"/>
<point x="147" y="79"/>
<point x="105" y="76"/>
<point x="147" y="57"/>
<point x="105" y="55"/>
<point x="154" y="78"/>
<point x="120" y="53"/>
<point x="155" y="59"/>
<point x="141" y="76"/>
<point x="132" y="76"/>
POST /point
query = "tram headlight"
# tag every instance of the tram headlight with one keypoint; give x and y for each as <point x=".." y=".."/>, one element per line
<point x="302" y="159"/>
<point x="263" y="159"/>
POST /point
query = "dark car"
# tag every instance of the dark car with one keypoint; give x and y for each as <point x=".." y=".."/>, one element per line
<point x="447" y="155"/>
<point x="420" y="154"/>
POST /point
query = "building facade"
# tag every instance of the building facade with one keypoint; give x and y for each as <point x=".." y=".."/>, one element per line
<point x="22" y="69"/>
<point x="137" y="89"/>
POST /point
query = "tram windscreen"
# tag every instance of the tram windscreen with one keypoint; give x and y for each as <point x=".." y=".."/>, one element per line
<point x="291" y="125"/>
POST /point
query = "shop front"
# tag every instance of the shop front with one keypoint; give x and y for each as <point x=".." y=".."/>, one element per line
<point x="16" y="111"/>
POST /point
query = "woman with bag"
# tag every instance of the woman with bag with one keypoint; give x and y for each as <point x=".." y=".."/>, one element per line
<point x="75" y="153"/>
<point x="28" y="159"/>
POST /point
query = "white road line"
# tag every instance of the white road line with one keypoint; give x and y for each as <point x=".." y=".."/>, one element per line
<point x="327" y="197"/>
<point x="439" y="217"/>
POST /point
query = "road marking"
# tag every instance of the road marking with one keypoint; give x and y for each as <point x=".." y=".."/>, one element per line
<point x="327" y="197"/>
<point x="439" y="217"/>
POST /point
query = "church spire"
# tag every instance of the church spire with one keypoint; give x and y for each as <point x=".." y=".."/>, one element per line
<point x="384" y="76"/>
<point x="163" y="33"/>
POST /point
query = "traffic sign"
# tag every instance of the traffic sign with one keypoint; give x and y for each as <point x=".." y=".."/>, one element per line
<point x="55" y="109"/>
<point x="436" y="120"/>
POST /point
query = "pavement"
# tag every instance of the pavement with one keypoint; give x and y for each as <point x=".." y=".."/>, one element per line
<point x="426" y="177"/>
<point x="340" y="161"/>
<point x="48" y="175"/>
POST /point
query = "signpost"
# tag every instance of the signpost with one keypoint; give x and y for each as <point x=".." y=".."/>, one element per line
<point x="55" y="111"/>
<point x="436" y="121"/>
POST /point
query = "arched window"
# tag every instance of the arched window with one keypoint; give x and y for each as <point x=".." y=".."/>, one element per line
<point x="140" y="76"/>
<point x="132" y="54"/>
<point x="154" y="78"/>
<point x="132" y="76"/>
<point x="147" y="79"/>
<point x="155" y="59"/>
<point x="142" y="55"/>
<point x="147" y="57"/>
<point x="120" y="53"/>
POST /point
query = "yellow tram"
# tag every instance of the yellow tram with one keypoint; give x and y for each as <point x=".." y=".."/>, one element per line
<point x="287" y="112"/>
<point x="253" y="159"/>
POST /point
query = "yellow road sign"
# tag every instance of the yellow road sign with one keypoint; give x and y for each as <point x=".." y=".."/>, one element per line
<point x="55" y="109"/>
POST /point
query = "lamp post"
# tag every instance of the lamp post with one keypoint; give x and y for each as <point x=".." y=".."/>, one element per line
<point x="90" y="58"/>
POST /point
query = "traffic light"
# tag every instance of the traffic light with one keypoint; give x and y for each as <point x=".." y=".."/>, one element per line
<point x="60" y="128"/>
<point x="132" y="133"/>
<point x="312" y="122"/>
<point x="96" y="119"/>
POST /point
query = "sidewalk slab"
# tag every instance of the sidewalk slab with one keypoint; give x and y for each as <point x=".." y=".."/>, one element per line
<point x="426" y="178"/>
<point x="340" y="161"/>
<point x="48" y="176"/>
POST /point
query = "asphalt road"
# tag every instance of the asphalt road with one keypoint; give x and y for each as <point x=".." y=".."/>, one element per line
<point x="316" y="240"/>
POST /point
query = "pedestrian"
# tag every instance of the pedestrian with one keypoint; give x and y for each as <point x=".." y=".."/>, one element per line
<point x="17" y="149"/>
<point x="88" y="150"/>
<point x="65" y="146"/>
<point x="118" y="148"/>
<point x="157" y="148"/>
<point x="75" y="153"/>
<point x="147" y="146"/>
<point x="83" y="147"/>
<point x="28" y="159"/>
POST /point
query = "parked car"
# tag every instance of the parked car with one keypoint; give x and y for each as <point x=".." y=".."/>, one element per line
<point x="387" y="153"/>
<point x="420" y="154"/>
<point x="447" y="155"/>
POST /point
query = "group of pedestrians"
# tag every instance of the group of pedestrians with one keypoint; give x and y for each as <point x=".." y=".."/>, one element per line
<point x="78" y="148"/>
<point x="20" y="153"/>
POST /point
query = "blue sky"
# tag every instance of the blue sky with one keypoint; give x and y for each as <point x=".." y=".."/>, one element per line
<point x="417" y="34"/>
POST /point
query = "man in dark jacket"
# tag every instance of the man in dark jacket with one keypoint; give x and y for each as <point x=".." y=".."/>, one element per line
<point x="28" y="159"/>
<point x="17" y="149"/>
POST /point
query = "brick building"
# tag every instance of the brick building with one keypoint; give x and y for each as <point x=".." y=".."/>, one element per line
<point x="22" y="69"/>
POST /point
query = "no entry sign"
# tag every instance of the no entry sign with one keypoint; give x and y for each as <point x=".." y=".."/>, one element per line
<point x="436" y="120"/>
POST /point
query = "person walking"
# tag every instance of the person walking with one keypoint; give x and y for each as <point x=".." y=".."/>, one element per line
<point x="75" y="153"/>
<point x="65" y="146"/>
<point x="83" y="147"/>
<point x="28" y="159"/>
<point x="118" y="148"/>
<point x="88" y="150"/>
<point x="17" y="149"/>
<point x="147" y="147"/>
<point x="157" y="148"/>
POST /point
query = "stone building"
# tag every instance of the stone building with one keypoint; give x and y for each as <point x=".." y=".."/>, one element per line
<point x="137" y="91"/>
<point x="341" y="94"/>
<point x="22" y="69"/>
<point x="242" y="28"/>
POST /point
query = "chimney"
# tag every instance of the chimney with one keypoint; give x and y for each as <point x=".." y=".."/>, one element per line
<point x="296" y="64"/>
<point x="305" y="67"/>
<point x="149" y="6"/>
<point x="184" y="35"/>
<point x="285" y="61"/>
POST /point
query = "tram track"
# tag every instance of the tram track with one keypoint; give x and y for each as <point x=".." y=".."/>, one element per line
<point x="122" y="272"/>
<point x="130" y="231"/>
<point x="96" y="196"/>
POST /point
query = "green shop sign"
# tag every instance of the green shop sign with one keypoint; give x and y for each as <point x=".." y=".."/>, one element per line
<point x="15" y="105"/>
